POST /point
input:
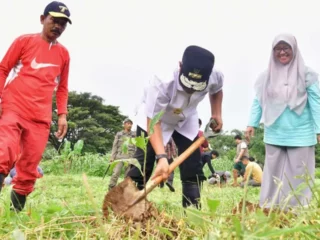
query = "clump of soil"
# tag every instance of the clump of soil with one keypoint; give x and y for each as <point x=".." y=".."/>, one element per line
<point x="119" y="198"/>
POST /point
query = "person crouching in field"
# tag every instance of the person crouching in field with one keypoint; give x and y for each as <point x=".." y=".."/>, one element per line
<point x="216" y="177"/>
<point x="253" y="173"/>
<point x="178" y="97"/>
<point x="288" y="100"/>
<point x="207" y="157"/>
<point x="219" y="177"/>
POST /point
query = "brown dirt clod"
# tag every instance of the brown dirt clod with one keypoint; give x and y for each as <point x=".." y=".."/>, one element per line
<point x="250" y="207"/>
<point x="118" y="199"/>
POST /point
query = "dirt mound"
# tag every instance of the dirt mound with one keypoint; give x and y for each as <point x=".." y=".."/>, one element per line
<point x="119" y="199"/>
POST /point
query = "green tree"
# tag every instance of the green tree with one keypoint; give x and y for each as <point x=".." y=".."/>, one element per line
<point x="90" y="120"/>
<point x="225" y="145"/>
<point x="256" y="146"/>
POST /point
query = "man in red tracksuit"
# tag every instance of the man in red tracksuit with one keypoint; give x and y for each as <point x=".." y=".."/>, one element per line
<point x="38" y="65"/>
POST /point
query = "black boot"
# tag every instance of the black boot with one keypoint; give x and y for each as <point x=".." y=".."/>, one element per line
<point x="191" y="194"/>
<point x="18" y="201"/>
<point x="2" y="177"/>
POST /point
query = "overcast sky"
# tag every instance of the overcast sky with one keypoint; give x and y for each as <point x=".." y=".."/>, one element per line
<point x="116" y="46"/>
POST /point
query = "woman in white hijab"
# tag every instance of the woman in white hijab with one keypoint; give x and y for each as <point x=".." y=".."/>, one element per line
<point x="288" y="101"/>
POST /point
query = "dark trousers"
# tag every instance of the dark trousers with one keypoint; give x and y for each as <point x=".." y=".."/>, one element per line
<point x="191" y="173"/>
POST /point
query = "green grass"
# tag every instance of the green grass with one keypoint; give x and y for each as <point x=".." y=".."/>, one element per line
<point x="67" y="207"/>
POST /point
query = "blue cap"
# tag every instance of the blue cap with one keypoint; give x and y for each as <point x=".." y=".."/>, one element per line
<point x="58" y="10"/>
<point x="197" y="65"/>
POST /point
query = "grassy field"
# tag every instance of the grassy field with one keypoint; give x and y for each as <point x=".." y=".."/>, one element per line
<point x="69" y="207"/>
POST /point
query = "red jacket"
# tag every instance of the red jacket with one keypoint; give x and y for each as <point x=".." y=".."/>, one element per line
<point x="38" y="68"/>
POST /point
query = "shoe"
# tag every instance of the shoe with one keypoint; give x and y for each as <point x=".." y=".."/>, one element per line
<point x="169" y="185"/>
<point x="190" y="194"/>
<point x="17" y="201"/>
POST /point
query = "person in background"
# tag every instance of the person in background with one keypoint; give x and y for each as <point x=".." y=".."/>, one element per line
<point x="207" y="158"/>
<point x="220" y="177"/>
<point x="171" y="151"/>
<point x="253" y="173"/>
<point x="252" y="159"/>
<point x="117" y="152"/>
<point x="238" y="167"/>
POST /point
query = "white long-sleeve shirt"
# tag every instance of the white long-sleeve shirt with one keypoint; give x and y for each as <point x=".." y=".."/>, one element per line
<point x="180" y="108"/>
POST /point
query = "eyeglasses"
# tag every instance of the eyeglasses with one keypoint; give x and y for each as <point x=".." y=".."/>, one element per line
<point x="285" y="49"/>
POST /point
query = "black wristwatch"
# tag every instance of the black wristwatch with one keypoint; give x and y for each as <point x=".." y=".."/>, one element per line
<point x="159" y="156"/>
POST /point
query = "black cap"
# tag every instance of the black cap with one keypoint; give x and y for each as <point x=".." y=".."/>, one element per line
<point x="197" y="65"/>
<point x="57" y="9"/>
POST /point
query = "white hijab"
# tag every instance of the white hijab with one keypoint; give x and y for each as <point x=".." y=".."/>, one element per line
<point x="281" y="85"/>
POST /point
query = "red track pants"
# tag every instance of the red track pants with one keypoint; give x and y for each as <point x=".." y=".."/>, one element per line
<point x="22" y="142"/>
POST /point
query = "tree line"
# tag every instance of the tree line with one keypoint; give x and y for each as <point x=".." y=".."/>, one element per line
<point x="90" y="120"/>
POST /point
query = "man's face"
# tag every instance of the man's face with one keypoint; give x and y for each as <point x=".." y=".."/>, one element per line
<point x="128" y="126"/>
<point x="237" y="141"/>
<point x="213" y="156"/>
<point x="245" y="161"/>
<point x="53" y="27"/>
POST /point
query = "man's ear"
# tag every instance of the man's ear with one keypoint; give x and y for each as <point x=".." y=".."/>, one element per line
<point x="42" y="18"/>
<point x="180" y="64"/>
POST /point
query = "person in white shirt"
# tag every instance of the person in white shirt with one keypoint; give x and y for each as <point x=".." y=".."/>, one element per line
<point x="179" y="97"/>
<point x="238" y="167"/>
